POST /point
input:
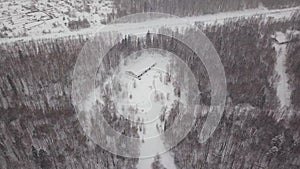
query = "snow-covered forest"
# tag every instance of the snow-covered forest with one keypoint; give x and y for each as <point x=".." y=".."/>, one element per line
<point x="38" y="124"/>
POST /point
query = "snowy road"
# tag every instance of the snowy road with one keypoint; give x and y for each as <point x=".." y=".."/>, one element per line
<point x="140" y="27"/>
<point x="283" y="91"/>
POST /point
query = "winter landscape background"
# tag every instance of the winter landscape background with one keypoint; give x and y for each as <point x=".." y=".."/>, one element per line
<point x="258" y="43"/>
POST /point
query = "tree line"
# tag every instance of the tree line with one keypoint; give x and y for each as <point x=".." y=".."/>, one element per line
<point x="194" y="7"/>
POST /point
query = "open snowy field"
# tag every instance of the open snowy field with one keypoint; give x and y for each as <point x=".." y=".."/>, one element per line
<point x="145" y="88"/>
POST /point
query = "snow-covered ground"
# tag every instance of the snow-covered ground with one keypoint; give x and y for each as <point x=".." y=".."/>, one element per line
<point x="146" y="100"/>
<point x="281" y="41"/>
<point x="141" y="27"/>
<point x="283" y="91"/>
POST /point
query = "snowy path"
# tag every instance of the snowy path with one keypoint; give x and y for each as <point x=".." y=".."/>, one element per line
<point x="169" y="22"/>
<point x="283" y="92"/>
